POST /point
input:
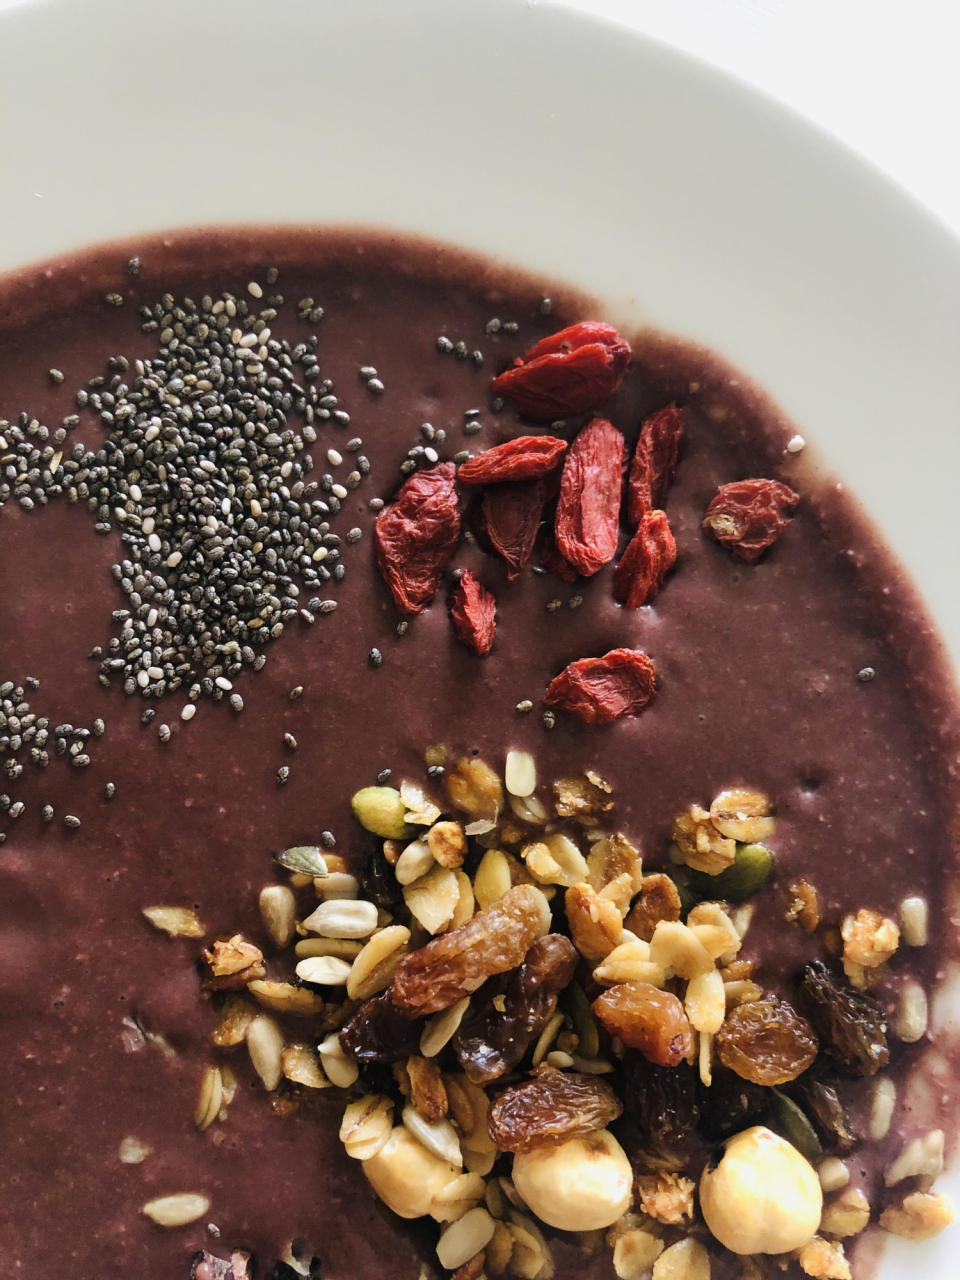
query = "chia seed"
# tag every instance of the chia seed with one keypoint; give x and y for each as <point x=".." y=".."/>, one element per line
<point x="549" y="719"/>
<point x="296" y="692"/>
<point x="328" y="839"/>
<point x="866" y="674"/>
<point x="290" y="742"/>
<point x="47" y="813"/>
<point x="71" y="821"/>
<point x="109" y="791"/>
<point x="283" y="775"/>
<point x="375" y="658"/>
<point x="384" y="776"/>
<point x="524" y="706"/>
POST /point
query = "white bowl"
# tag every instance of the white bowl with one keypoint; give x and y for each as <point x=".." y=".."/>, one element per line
<point x="551" y="140"/>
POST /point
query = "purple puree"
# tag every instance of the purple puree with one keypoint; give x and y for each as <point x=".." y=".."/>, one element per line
<point x="757" y="669"/>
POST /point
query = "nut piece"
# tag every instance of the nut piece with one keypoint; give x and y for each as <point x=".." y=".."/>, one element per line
<point x="343" y="918"/>
<point x="448" y="843"/>
<point x="177" y="1210"/>
<point x="914" y="921"/>
<point x="441" y="1028"/>
<point x="847" y="1214"/>
<point x="232" y="957"/>
<point x="630" y="962"/>
<point x="284" y="997"/>
<point x="235" y="1017"/>
<point x="762" y="1197"/>
<point x="583" y="1184"/>
<point x="341" y="1070"/>
<point x="133" y="1151"/>
<point x="463" y="1193"/>
<point x="595" y="922"/>
<point x="685" y="1260"/>
<point x="833" y="1174"/>
<point x="910" y="1023"/>
<point x="406" y="1176"/>
<point x="278" y="911"/>
<point x="869" y="939"/>
<point x="415" y="861"/>
<point x="178" y="922"/>
<point x="882" y="1108"/>
<point x="706" y="1001"/>
<point x="701" y="845"/>
<point x="324" y="971"/>
<point x="824" y="1259"/>
<point x="493" y="878"/>
<point x="921" y="1157"/>
<point x="474" y="787"/>
<point x="465" y="1238"/>
<point x="676" y="948"/>
<point x="265" y="1046"/>
<point x="666" y="1197"/>
<point x="804" y="905"/>
<point x="742" y="814"/>
<point x="634" y="1252"/>
<point x="659" y="900"/>
<point x="439" y="1138"/>
<point x="366" y="1126"/>
<point x="921" y="1215"/>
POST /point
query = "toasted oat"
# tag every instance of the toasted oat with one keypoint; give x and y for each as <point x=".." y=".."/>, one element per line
<point x="341" y="1070"/>
<point x="743" y="814"/>
<point x="432" y="900"/>
<point x="493" y="878"/>
<point x="427" y="1091"/>
<point x="301" y="1065"/>
<point x="701" y="845"/>
<point x="210" y="1098"/>
<point x="340" y="948"/>
<point x="278" y="911"/>
<point x="595" y="924"/>
<point x="421" y="810"/>
<point x="464" y="1238"/>
<point x="499" y="1250"/>
<point x="685" y="1260"/>
<point x="531" y="1258"/>
<point x="629" y="962"/>
<point x="366" y="1125"/>
<point x="440" y="1029"/>
<point x="582" y="797"/>
<point x="676" y="948"/>
<point x="178" y="922"/>
<point x="705" y="1001"/>
<point x="265" y="1046"/>
<point x="415" y="861"/>
<point x="466" y="903"/>
<point x="448" y="843"/>
<point x="461" y="1193"/>
<point x="711" y="924"/>
<point x="615" y="861"/>
<point x="284" y="997"/>
<point x="824" y="1259"/>
<point x="475" y="1268"/>
<point x="235" y="1017"/>
<point x="666" y="1197"/>
<point x="375" y="964"/>
<point x="659" y="900"/>
<point x="804" y="905"/>
<point x="439" y="1137"/>
<point x="920" y="1216"/>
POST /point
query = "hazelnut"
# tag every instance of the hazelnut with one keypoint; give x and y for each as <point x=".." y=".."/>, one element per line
<point x="406" y="1176"/>
<point x="763" y="1196"/>
<point x="582" y="1184"/>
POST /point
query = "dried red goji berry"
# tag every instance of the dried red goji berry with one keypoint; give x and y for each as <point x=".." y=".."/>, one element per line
<point x="588" y="509"/>
<point x="654" y="461"/>
<point x="511" y="516"/>
<point x="473" y="613"/>
<point x="416" y="536"/>
<point x="748" y="516"/>
<point x="648" y="558"/>
<point x="523" y="458"/>
<point x="571" y="371"/>
<point x="598" y="690"/>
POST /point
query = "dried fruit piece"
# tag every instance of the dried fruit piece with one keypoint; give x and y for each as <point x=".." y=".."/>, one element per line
<point x="599" y="690"/>
<point x="823" y="1103"/>
<point x="661" y="1104"/>
<point x="587" y="524"/>
<point x="380" y="1032"/>
<point x="731" y="1104"/>
<point x="851" y="1024"/>
<point x="474" y="787"/>
<point x="748" y="516"/>
<point x="416" y="536"/>
<point x="511" y="515"/>
<point x="767" y="1042"/>
<point x="457" y="963"/>
<point x="647" y="1019"/>
<point x="570" y="371"/>
<point x="648" y="558"/>
<point x="512" y="1010"/>
<point x="550" y="1108"/>
<point x="473" y="611"/>
<point x="522" y="458"/>
<point x="654" y="462"/>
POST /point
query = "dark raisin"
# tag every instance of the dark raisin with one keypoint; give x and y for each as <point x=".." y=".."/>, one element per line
<point x="379" y="1032"/>
<point x="730" y="1104"/>
<point x="821" y="1101"/>
<point x="852" y="1026"/>
<point x="661" y="1107"/>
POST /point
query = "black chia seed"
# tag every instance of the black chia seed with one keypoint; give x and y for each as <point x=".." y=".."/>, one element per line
<point x="283" y="775"/>
<point x="375" y="658"/>
<point x="328" y="839"/>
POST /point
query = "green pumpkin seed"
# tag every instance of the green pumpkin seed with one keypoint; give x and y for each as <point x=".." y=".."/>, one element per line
<point x="578" y="1007"/>
<point x="305" y="858"/>
<point x="788" y="1119"/>
<point x="749" y="872"/>
<point x="382" y="811"/>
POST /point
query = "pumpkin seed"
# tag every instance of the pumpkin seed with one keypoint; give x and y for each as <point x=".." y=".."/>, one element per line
<point x="381" y="810"/>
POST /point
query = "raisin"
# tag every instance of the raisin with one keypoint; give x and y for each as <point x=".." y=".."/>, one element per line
<point x="473" y="612"/>
<point x="571" y="371"/>
<point x="730" y="1104"/>
<point x="767" y="1042"/>
<point x="648" y="558"/>
<point x="647" y="1019"/>
<point x="661" y="1104"/>
<point x="550" y="1108"/>
<point x="851" y="1024"/>
<point x="456" y="963"/>
<point x="380" y="1032"/>
<point x="511" y="515"/>
<point x="748" y="516"/>
<point x="522" y="458"/>
<point x="654" y="462"/>
<point x="380" y="885"/>
<point x="598" y="690"/>
<point x="587" y="525"/>
<point x="659" y="900"/>
<point x="416" y="536"/>
<point x="822" y="1101"/>
<point x="511" y="1010"/>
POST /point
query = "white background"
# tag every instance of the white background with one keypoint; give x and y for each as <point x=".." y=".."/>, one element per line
<point x="882" y="75"/>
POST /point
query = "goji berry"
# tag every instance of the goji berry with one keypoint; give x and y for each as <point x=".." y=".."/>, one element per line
<point x="748" y="516"/>
<point x="511" y="515"/>
<point x="416" y="536"/>
<point x="523" y="458"/>
<point x="473" y="612"/>
<point x="588" y="509"/>
<point x="598" y="690"/>
<point x="648" y="558"/>
<point x="654" y="461"/>
<point x="571" y="371"/>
